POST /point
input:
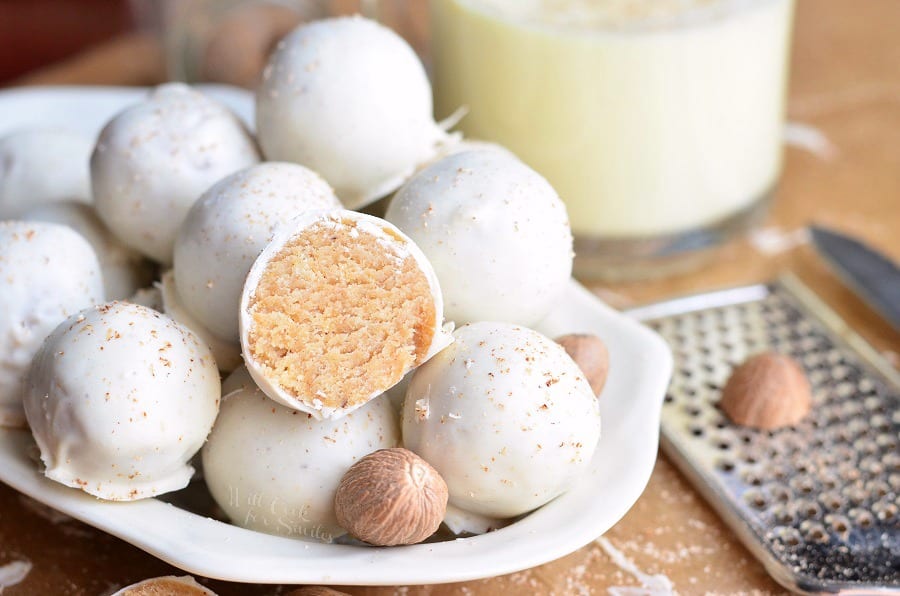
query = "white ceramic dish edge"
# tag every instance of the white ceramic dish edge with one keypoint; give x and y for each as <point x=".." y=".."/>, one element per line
<point x="86" y="109"/>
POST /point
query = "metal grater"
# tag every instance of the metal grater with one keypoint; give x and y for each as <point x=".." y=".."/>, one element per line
<point x="818" y="503"/>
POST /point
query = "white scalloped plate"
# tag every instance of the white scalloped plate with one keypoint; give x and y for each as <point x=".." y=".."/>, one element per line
<point x="630" y="405"/>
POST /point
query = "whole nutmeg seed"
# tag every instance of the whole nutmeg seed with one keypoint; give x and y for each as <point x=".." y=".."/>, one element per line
<point x="169" y="584"/>
<point x="590" y="354"/>
<point x="767" y="391"/>
<point x="390" y="497"/>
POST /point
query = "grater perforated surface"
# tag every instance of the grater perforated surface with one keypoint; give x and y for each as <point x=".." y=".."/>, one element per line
<point x="818" y="503"/>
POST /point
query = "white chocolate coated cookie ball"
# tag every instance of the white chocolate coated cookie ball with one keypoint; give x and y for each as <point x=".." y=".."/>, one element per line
<point x="119" y="398"/>
<point x="154" y="159"/>
<point x="229" y="226"/>
<point x="47" y="272"/>
<point x="505" y="416"/>
<point x="125" y="270"/>
<point x="43" y="165"/>
<point x="226" y="354"/>
<point x="495" y="231"/>
<point x="350" y="99"/>
<point x="275" y="470"/>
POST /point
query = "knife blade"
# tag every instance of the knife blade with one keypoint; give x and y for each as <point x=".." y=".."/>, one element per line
<point x="871" y="275"/>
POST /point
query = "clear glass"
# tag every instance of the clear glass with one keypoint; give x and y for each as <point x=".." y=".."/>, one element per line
<point x="223" y="41"/>
<point x="658" y="122"/>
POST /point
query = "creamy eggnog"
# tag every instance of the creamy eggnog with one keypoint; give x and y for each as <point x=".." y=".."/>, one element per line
<point x="649" y="117"/>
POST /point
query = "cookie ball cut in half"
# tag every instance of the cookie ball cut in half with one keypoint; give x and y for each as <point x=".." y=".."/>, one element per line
<point x="47" y="273"/>
<point x="229" y="226"/>
<point x="337" y="308"/>
<point x="495" y="231"/>
<point x="274" y="469"/>
<point x="119" y="398"/>
<point x="154" y="159"/>
<point x="505" y="417"/>
<point x="350" y="99"/>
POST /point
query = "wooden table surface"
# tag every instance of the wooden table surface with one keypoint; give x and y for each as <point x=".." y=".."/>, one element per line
<point x="845" y="82"/>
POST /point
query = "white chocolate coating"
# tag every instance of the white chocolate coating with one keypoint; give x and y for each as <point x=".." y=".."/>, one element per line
<point x="226" y="354"/>
<point x="43" y="165"/>
<point x="229" y="226"/>
<point x="495" y="231"/>
<point x="47" y="272"/>
<point x="505" y="416"/>
<point x="154" y="159"/>
<point x="125" y="271"/>
<point x="119" y="398"/>
<point x="151" y="297"/>
<point x="275" y="470"/>
<point x="348" y="98"/>
<point x="393" y="240"/>
<point x="238" y="380"/>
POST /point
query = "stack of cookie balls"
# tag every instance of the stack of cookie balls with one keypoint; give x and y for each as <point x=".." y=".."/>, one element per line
<point x="255" y="268"/>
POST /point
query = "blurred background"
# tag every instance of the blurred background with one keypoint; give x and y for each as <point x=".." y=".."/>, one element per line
<point x="145" y="41"/>
<point x="35" y="33"/>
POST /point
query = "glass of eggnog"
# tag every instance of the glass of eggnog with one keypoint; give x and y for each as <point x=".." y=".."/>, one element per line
<point x="659" y="122"/>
